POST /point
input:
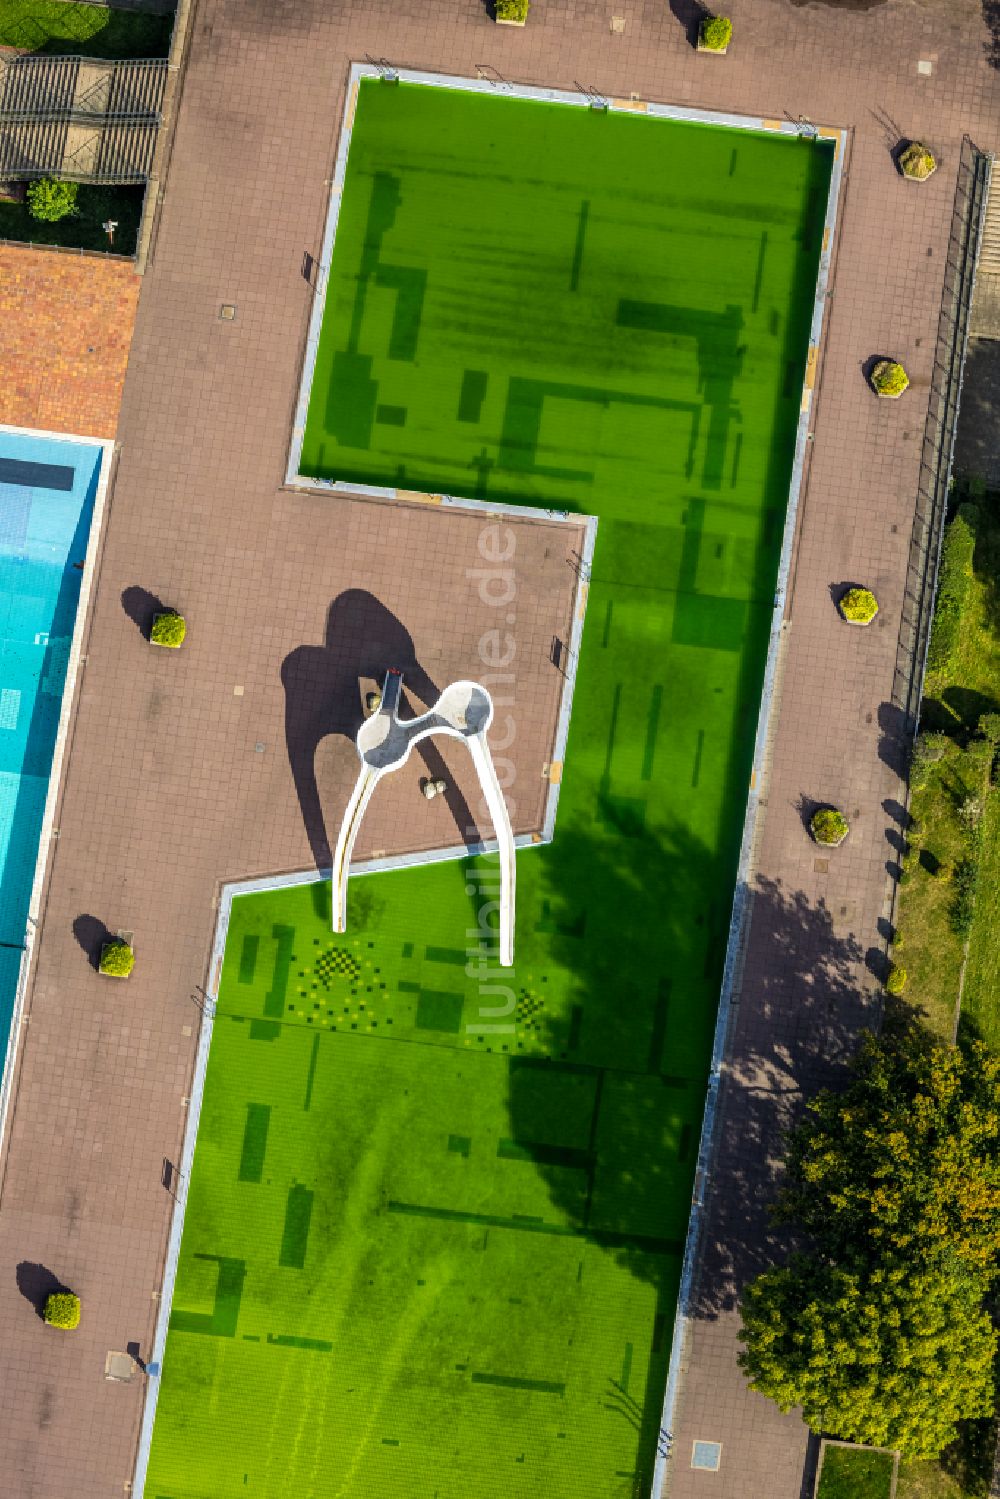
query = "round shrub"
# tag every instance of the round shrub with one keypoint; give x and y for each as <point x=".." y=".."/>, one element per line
<point x="62" y="1309"/>
<point x="512" y="10"/>
<point x="827" y="825"/>
<point x="169" y="629"/>
<point x="859" y="605"/>
<point x="896" y="982"/>
<point x="989" y="727"/>
<point x="117" y="959"/>
<point x="917" y="162"/>
<point x="889" y="378"/>
<point x="715" y="33"/>
<point x="49" y="200"/>
<point x="928" y="749"/>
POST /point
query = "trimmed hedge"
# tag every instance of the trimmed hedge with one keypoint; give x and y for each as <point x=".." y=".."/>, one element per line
<point x="117" y="959"/>
<point x="954" y="582"/>
<point x="62" y="1309"/>
<point x="716" y="33"/>
<point x="169" y="629"/>
<point x="859" y="605"/>
<point x="512" y="10"/>
<point x="889" y="378"/>
<point x="827" y="825"/>
<point x="963" y="903"/>
<point x="917" y="162"/>
<point x="49" y="200"/>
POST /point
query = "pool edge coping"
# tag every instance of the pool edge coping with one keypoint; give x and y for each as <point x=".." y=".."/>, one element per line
<point x="57" y="770"/>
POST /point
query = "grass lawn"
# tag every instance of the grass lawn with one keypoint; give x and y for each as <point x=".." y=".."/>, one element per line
<point x="83" y="229"/>
<point x="63" y="29"/>
<point x="962" y="685"/>
<point x="964" y="1472"/>
<point x="437" y="1214"/>
<point x="852" y="1473"/>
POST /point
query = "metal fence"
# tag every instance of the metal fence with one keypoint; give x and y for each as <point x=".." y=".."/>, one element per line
<point x="939" y="432"/>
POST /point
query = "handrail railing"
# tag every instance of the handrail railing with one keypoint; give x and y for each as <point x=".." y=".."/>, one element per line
<point x="937" y="456"/>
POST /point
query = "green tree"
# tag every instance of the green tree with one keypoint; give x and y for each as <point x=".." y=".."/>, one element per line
<point x="905" y="1162"/>
<point x="894" y="1356"/>
<point x="51" y="201"/>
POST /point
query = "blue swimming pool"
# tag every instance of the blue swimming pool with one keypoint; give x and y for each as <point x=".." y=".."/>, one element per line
<point x="47" y="493"/>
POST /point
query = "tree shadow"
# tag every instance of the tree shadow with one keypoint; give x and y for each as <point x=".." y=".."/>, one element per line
<point x="36" y="1284"/>
<point x="636" y="1046"/>
<point x="899" y="814"/>
<point x="859" y="5"/>
<point x="982" y="512"/>
<point x="966" y="706"/>
<point x="92" y="934"/>
<point x="897" y="842"/>
<point x="895" y="745"/>
<point x="324" y="687"/>
<point x="878" y="963"/>
<point x="969" y="1461"/>
<point x="991" y="19"/>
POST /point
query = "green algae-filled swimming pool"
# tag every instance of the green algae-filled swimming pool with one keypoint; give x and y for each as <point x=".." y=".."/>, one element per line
<point x="421" y="1257"/>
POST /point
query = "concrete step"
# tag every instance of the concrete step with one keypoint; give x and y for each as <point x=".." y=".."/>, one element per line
<point x="989" y="249"/>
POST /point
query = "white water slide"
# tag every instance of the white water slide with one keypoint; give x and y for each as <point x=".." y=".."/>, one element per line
<point x="464" y="711"/>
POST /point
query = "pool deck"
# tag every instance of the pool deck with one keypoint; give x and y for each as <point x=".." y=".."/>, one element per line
<point x="166" y="792"/>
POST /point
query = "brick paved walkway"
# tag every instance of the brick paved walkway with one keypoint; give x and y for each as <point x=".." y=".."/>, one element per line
<point x="65" y="327"/>
<point x="166" y="792"/>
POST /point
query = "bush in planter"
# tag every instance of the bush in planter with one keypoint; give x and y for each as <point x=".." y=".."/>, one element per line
<point x="117" y="959"/>
<point x="889" y="378"/>
<point x="715" y="33"/>
<point x="62" y="1309"/>
<point x="512" y="10"/>
<point x="827" y="825"/>
<point x="859" y="605"/>
<point x="168" y="629"/>
<point x="896" y="982"/>
<point x="917" y="162"/>
<point x="49" y="200"/>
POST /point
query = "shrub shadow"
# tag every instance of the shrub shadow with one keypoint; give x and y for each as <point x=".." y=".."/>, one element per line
<point x="37" y="1283"/>
<point x="690" y="14"/>
<point x="838" y="591"/>
<point x="868" y="367"/>
<point x="91" y="933"/>
<point x="142" y="607"/>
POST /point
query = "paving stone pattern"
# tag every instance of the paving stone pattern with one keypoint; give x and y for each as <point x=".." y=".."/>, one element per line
<point x="65" y="328"/>
<point x="166" y="792"/>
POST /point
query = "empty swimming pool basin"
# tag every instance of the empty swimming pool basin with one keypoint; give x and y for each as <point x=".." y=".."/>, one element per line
<point x="48" y="490"/>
